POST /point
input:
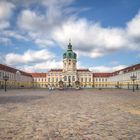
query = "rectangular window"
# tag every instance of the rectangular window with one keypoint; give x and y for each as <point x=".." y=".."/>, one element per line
<point x="65" y="78"/>
<point x="89" y="79"/>
<point x="85" y="79"/>
<point x="73" y="78"/>
<point x="56" y="79"/>
<point x="52" y="79"/>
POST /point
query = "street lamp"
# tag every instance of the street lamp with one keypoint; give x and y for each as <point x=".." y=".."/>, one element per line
<point x="5" y="78"/>
<point x="133" y="78"/>
<point x="18" y="78"/>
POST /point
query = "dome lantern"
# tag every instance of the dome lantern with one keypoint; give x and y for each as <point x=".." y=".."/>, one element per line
<point x="69" y="53"/>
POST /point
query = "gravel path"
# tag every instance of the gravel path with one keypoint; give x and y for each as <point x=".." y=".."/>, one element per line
<point x="69" y="115"/>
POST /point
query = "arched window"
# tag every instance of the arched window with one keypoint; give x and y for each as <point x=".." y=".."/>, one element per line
<point x="69" y="77"/>
<point x="69" y="62"/>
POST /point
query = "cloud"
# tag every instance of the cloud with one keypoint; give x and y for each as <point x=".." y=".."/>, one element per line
<point x="6" y="9"/>
<point x="33" y="60"/>
<point x="5" y="41"/>
<point x="30" y="20"/>
<point x="58" y="23"/>
<point x="44" y="42"/>
<point x="133" y="27"/>
<point x="106" y="68"/>
<point x="11" y="34"/>
<point x="91" y="39"/>
<point x="14" y="34"/>
<point x="40" y="25"/>
<point x="43" y="66"/>
<point x="55" y="13"/>
<point x="28" y="57"/>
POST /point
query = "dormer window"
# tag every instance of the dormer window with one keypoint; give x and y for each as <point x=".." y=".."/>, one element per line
<point x="69" y="54"/>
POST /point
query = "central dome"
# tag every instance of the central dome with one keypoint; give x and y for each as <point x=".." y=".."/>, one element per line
<point x="69" y="53"/>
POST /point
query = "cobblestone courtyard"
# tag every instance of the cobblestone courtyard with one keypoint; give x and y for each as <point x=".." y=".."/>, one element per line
<point x="69" y="115"/>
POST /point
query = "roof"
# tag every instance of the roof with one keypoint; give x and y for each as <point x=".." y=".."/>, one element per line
<point x="38" y="74"/>
<point x="83" y="70"/>
<point x="102" y="74"/>
<point x="127" y="69"/>
<point x="13" y="70"/>
<point x="55" y="70"/>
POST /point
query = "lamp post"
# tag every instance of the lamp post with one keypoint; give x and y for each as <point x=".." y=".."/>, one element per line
<point x="18" y="78"/>
<point x="133" y="78"/>
<point x="5" y="78"/>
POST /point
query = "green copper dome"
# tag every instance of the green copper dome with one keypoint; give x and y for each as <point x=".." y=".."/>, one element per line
<point x="69" y="53"/>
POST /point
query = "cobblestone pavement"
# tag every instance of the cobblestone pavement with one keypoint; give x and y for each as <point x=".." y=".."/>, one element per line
<point x="70" y="115"/>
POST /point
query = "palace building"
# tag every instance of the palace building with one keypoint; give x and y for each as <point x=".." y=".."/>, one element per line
<point x="69" y="75"/>
<point x="16" y="78"/>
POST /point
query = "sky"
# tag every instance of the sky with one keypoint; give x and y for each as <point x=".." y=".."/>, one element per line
<point x="34" y="34"/>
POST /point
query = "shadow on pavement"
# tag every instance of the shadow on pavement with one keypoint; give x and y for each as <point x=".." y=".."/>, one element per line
<point x="18" y="99"/>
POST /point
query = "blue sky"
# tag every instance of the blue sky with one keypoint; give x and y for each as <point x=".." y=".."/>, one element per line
<point x="34" y="34"/>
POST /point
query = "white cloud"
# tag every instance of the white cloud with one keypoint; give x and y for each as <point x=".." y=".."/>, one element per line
<point x="53" y="16"/>
<point x="13" y="34"/>
<point x="40" y="26"/>
<point x="91" y="39"/>
<point x="30" y="56"/>
<point x="30" y="20"/>
<point x="4" y="24"/>
<point x="88" y="38"/>
<point x="43" y="66"/>
<point x="44" y="42"/>
<point x="33" y="60"/>
<point x="6" y="9"/>
<point x="106" y="68"/>
<point x="133" y="27"/>
<point x="5" y="41"/>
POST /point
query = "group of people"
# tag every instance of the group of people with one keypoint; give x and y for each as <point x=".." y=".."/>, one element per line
<point x="51" y="87"/>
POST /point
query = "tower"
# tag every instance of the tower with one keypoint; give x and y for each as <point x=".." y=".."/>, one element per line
<point x="69" y="60"/>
